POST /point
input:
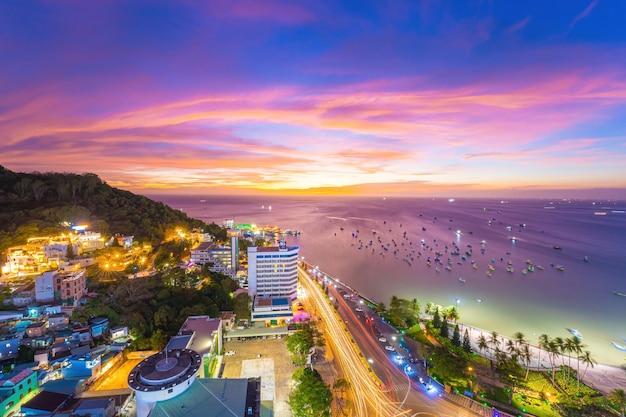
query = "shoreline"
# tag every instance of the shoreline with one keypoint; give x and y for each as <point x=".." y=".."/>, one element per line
<point x="602" y="377"/>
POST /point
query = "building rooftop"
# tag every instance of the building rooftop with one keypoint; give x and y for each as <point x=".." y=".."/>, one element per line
<point x="46" y="401"/>
<point x="274" y="248"/>
<point x="204" y="246"/>
<point x="203" y="329"/>
<point x="164" y="370"/>
<point x="224" y="397"/>
<point x="179" y="342"/>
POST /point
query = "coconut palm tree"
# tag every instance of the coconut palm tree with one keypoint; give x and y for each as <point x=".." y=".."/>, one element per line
<point x="430" y="308"/>
<point x="511" y="347"/>
<point x="482" y="343"/>
<point x="586" y="358"/>
<point x="526" y="356"/>
<point x="618" y="397"/>
<point x="519" y="339"/>
<point x="577" y="348"/>
<point x="553" y="350"/>
<point x="494" y="341"/>
<point x="453" y="313"/>
<point x="544" y="341"/>
<point x="568" y="347"/>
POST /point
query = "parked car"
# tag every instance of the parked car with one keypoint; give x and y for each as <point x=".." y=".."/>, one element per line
<point x="390" y="348"/>
<point x="382" y="339"/>
<point x="230" y="353"/>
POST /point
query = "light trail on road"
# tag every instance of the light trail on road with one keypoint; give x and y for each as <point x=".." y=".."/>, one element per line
<point x="369" y="399"/>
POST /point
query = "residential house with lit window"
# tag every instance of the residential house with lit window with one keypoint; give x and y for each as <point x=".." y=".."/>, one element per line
<point x="14" y="389"/>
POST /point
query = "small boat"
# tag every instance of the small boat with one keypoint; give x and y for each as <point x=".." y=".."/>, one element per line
<point x="621" y="294"/>
<point x="462" y="280"/>
<point x="556" y="247"/>
<point x="539" y="267"/>
<point x="560" y="267"/>
<point x="618" y="346"/>
<point x="509" y="269"/>
<point x="475" y="266"/>
<point x="489" y="274"/>
<point x="479" y="300"/>
<point x="578" y="335"/>
<point x="448" y="268"/>
<point x="586" y="259"/>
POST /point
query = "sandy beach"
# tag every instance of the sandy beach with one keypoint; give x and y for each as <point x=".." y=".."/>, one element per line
<point x="602" y="377"/>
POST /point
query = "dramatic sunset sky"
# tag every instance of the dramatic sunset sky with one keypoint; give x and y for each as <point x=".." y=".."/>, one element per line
<point x="414" y="97"/>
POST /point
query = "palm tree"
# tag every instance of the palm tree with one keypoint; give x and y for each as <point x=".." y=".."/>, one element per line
<point x="381" y="308"/>
<point x="494" y="341"/>
<point x="568" y="347"/>
<point x="577" y="348"/>
<point x="586" y="358"/>
<point x="519" y="339"/>
<point x="553" y="350"/>
<point x="618" y="397"/>
<point x="511" y="347"/>
<point x="430" y="308"/>
<point x="544" y="341"/>
<point x="453" y="313"/>
<point x="526" y="355"/>
<point x="482" y="343"/>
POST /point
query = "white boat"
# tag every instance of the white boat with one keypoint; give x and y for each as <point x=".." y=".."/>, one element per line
<point x="462" y="280"/>
<point x="618" y="346"/>
<point x="578" y="335"/>
<point x="479" y="300"/>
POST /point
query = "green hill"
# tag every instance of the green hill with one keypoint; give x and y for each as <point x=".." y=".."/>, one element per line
<point x="36" y="203"/>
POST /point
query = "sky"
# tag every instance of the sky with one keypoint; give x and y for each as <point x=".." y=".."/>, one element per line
<point x="419" y="97"/>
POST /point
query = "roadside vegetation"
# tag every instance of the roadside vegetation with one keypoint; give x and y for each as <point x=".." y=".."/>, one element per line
<point x="500" y="374"/>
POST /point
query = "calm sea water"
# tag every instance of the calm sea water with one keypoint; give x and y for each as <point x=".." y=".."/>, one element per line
<point x="544" y="301"/>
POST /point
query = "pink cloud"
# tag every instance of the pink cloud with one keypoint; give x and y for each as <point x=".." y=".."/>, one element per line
<point x="516" y="27"/>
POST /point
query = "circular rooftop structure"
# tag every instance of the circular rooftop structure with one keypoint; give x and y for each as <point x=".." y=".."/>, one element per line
<point x="165" y="369"/>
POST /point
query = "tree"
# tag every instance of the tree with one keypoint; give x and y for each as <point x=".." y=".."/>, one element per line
<point x="241" y="306"/>
<point x="494" y="342"/>
<point x="466" y="342"/>
<point x="69" y="253"/>
<point x="618" y="397"/>
<point x="436" y="318"/>
<point x="456" y="336"/>
<point x="310" y="396"/>
<point x="526" y="355"/>
<point x="544" y="342"/>
<point x="444" y="328"/>
<point x="430" y="308"/>
<point x="482" y="343"/>
<point x="586" y="358"/>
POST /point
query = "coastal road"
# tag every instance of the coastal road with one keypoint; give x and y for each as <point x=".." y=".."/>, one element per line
<point x="399" y="378"/>
<point x="368" y="398"/>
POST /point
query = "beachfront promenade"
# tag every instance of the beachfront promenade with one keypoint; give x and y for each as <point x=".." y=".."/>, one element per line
<point x="604" y="378"/>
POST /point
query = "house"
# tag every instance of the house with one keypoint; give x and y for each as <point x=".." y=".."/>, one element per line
<point x="98" y="326"/>
<point x="119" y="332"/>
<point x="44" y="286"/>
<point x="9" y="345"/>
<point x="58" y="321"/>
<point x="228" y="319"/>
<point x="14" y="387"/>
<point x="71" y="387"/>
<point x="44" y="404"/>
<point x="82" y="366"/>
<point x="24" y="295"/>
<point x="36" y="329"/>
<point x="96" y="407"/>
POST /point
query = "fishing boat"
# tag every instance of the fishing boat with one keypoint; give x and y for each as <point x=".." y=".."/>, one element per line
<point x="539" y="267"/>
<point x="509" y="269"/>
<point x="578" y="335"/>
<point x="621" y="294"/>
<point x="560" y="267"/>
<point x="489" y="274"/>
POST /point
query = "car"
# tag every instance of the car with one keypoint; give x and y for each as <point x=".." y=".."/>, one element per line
<point x="382" y="339"/>
<point x="413" y="360"/>
<point x="230" y="353"/>
<point x="360" y="310"/>
<point x="390" y="348"/>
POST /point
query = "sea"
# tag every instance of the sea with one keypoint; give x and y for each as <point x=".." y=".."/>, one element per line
<point x="530" y="266"/>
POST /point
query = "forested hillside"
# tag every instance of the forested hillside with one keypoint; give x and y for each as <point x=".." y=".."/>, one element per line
<point x="41" y="203"/>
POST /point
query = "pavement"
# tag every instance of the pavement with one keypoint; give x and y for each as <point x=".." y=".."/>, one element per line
<point x="274" y="366"/>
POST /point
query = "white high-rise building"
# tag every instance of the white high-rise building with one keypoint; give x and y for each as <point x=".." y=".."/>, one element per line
<point x="273" y="271"/>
